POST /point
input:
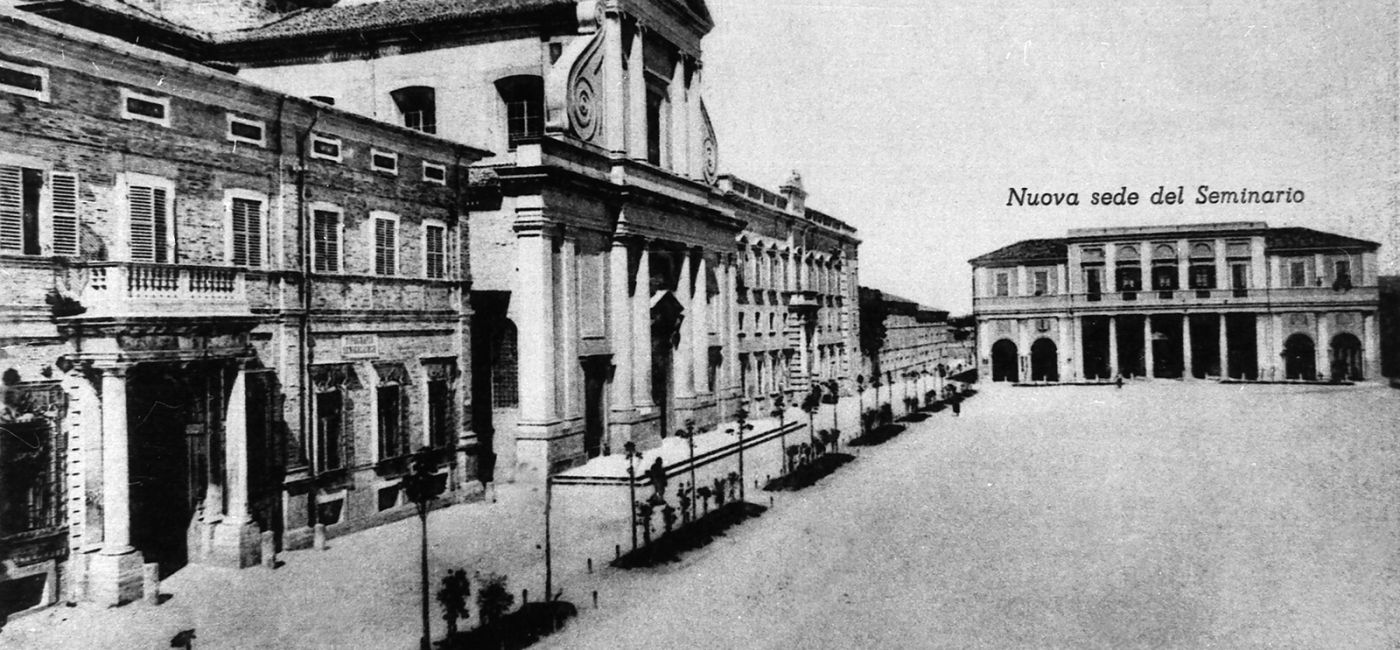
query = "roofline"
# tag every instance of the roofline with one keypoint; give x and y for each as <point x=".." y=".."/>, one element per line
<point x="841" y="226"/>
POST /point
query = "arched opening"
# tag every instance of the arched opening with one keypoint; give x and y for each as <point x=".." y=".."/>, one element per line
<point x="1045" y="361"/>
<point x="1346" y="357"/>
<point x="1004" y="361"/>
<point x="1299" y="358"/>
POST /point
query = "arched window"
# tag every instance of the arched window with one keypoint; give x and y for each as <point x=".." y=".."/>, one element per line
<point x="524" y="99"/>
<point x="418" y="106"/>
<point x="505" y="383"/>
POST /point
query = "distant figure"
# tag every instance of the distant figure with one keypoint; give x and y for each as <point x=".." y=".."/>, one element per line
<point x="1119" y="381"/>
<point x="657" y="476"/>
<point x="957" y="408"/>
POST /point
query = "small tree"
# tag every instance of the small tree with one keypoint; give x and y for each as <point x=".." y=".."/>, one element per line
<point x="833" y="391"/>
<point x="668" y="517"/>
<point x="810" y="404"/>
<point x="792" y="453"/>
<point x="644" y="511"/>
<point x="683" y="493"/>
<point x="421" y="487"/>
<point x="736" y="484"/>
<point x="453" y="598"/>
<point x="780" y="411"/>
<point x="860" y="399"/>
<point x="703" y="493"/>
<point x="493" y="599"/>
<point x="718" y="492"/>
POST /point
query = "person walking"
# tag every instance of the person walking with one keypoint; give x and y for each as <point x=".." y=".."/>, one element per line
<point x="1119" y="382"/>
<point x="957" y="408"/>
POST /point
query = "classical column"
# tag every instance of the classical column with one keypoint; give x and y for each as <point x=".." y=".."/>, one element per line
<point x="700" y="310"/>
<point x="1112" y="346"/>
<point x="637" y="97"/>
<point x="615" y="96"/>
<point x="1276" y="347"/>
<point x="683" y="357"/>
<point x="114" y="574"/>
<point x="236" y="540"/>
<point x="1183" y="265"/>
<point x="1370" y="348"/>
<point x="680" y="121"/>
<point x="697" y="125"/>
<point x="620" y="326"/>
<point x="1147" y="352"/>
<point x="1322" y="347"/>
<point x="1224" y="348"/>
<point x="534" y="298"/>
<point x="641" y="330"/>
<point x="1262" y="346"/>
<point x="1186" y="346"/>
<point x="730" y="297"/>
<point x="569" y="368"/>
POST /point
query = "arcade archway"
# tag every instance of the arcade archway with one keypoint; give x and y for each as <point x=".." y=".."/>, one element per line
<point x="1299" y="358"/>
<point x="1005" y="365"/>
<point x="1045" y="361"/>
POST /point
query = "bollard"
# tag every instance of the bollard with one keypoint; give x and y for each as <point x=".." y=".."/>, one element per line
<point x="524" y="596"/>
<point x="319" y="537"/>
<point x="269" y="549"/>
<point x="150" y="583"/>
<point x="595" y="599"/>
<point x="590" y="565"/>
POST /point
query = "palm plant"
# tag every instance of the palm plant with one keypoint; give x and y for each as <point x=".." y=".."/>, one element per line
<point x="810" y="404"/>
<point x="860" y="397"/>
<point x="780" y="411"/>
<point x="689" y="434"/>
<point x="742" y="416"/>
<point x="833" y="388"/>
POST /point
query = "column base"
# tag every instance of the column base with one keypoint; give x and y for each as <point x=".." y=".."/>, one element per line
<point x="115" y="579"/>
<point x="235" y="544"/>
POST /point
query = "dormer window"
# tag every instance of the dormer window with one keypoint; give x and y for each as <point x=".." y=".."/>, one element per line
<point x="418" y="107"/>
<point x="523" y="96"/>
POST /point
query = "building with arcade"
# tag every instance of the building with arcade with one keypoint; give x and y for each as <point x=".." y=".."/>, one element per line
<point x="1231" y="301"/>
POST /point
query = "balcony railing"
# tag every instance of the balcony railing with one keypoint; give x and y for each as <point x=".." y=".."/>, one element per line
<point x="112" y="289"/>
<point x="1181" y="299"/>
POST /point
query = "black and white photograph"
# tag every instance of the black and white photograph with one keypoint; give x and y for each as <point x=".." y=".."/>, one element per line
<point x="653" y="324"/>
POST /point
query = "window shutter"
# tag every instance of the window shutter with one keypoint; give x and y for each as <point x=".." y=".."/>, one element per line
<point x="247" y="232"/>
<point x="161" y="216"/>
<point x="386" y="246"/>
<point x="327" y="241"/>
<point x="141" y="213"/>
<point x="11" y="209"/>
<point x="64" y="213"/>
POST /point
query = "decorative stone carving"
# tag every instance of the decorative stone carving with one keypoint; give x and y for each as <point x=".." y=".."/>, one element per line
<point x="709" y="148"/>
<point x="573" y="91"/>
<point x="590" y="16"/>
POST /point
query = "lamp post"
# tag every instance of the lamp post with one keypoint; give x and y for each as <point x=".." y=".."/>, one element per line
<point x="689" y="434"/>
<point x="780" y="411"/>
<point x="860" y="402"/>
<point x="421" y="487"/>
<point x="630" y="451"/>
<point x="742" y="415"/>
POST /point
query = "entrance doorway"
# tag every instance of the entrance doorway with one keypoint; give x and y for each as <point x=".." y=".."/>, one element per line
<point x="1205" y="345"/>
<point x="1132" y="346"/>
<point x="1005" y="366"/>
<point x="1045" y="361"/>
<point x="1242" y="355"/>
<point x="595" y="381"/>
<point x="1299" y="358"/>
<point x="1095" y="352"/>
<point x="1346" y="357"/>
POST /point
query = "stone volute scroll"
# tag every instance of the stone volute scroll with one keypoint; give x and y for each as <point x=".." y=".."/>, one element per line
<point x="709" y="148"/>
<point x="575" y="83"/>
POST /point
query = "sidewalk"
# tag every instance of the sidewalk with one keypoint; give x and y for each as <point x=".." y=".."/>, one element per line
<point x="363" y="591"/>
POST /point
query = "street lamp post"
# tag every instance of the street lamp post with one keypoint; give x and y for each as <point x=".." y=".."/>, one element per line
<point x="689" y="434"/>
<point x="742" y="415"/>
<point x="630" y="451"/>
<point x="421" y="487"/>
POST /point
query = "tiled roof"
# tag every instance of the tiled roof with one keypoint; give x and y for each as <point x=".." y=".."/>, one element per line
<point x="1309" y="239"/>
<point x="1027" y="250"/>
<point x="385" y="14"/>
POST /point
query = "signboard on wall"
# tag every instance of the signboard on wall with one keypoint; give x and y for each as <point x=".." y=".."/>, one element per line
<point x="359" y="346"/>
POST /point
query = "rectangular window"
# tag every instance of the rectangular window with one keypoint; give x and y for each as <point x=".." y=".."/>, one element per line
<point x="393" y="441"/>
<point x="1343" y="272"/>
<point x="384" y="161"/>
<point x="1042" y="283"/>
<point x="658" y="110"/>
<point x="1239" y="279"/>
<point x="326" y="233"/>
<point x="1129" y="278"/>
<point x="245" y="130"/>
<point x="19" y="209"/>
<point x="24" y="80"/>
<point x="325" y="147"/>
<point x="386" y="245"/>
<point x="148" y="219"/>
<point x="1003" y="286"/>
<point x="1202" y="276"/>
<point x="145" y="108"/>
<point x="246" y="232"/>
<point x="434" y="173"/>
<point x="440" y="413"/>
<point x="1093" y="281"/>
<point x="1297" y="274"/>
<point x="435" y="250"/>
<point x="1164" y="277"/>
<point x="329" y="431"/>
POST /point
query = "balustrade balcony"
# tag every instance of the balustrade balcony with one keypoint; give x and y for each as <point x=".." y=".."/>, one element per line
<point x="1181" y="299"/>
<point x="126" y="289"/>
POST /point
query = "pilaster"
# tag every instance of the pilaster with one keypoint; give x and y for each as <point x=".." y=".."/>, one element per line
<point x="1147" y="351"/>
<point x="637" y="96"/>
<point x="1224" y="348"/>
<point x="1186" y="360"/>
<point x="1112" y="346"/>
<point x="237" y="538"/>
<point x="641" y="330"/>
<point x="114" y="573"/>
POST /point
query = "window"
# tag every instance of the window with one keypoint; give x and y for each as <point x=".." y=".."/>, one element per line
<point x="384" y="161"/>
<point x="524" y="99"/>
<point x="1093" y="281"/>
<point x="1202" y="276"/>
<point x="1129" y="278"/>
<point x="386" y="244"/>
<point x="1164" y="277"/>
<point x="245" y="221"/>
<point x="1297" y="273"/>
<point x="245" y="130"/>
<point x="393" y="438"/>
<point x="1239" y="279"/>
<point x="326" y="233"/>
<point x="145" y="108"/>
<point x="1042" y="283"/>
<point x="1342" y="277"/>
<point x="150" y="233"/>
<point x="434" y="250"/>
<point x="505" y="383"/>
<point x="329" y="431"/>
<point x="1003" y="286"/>
<point x="658" y="125"/>
<point x="434" y="173"/>
<point x="24" y="80"/>
<point x="418" y="107"/>
<point x="440" y="413"/>
<point x="31" y="223"/>
<point x="325" y="147"/>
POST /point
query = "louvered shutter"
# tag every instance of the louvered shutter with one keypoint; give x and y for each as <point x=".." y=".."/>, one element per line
<point x="161" y="221"/>
<point x="386" y="246"/>
<point x="63" y="208"/>
<point x="247" y="232"/>
<point x="142" y="217"/>
<point x="11" y="209"/>
<point x="435" y="243"/>
<point x="327" y="241"/>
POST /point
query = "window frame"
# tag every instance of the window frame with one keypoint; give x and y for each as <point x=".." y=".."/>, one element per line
<point x="319" y="452"/>
<point x="339" y="237"/>
<point x="374" y="218"/>
<point x="328" y="139"/>
<point x="231" y="195"/>
<point x="126" y="182"/>
<point x="427" y="165"/>
<point x="42" y="73"/>
<point x="230" y="136"/>
<point x="374" y="155"/>
<point x="46" y="218"/>
<point x="525" y="90"/>
<point x="1297" y="273"/>
<point x="446" y="249"/>
<point x="1001" y="284"/>
<point x="127" y="94"/>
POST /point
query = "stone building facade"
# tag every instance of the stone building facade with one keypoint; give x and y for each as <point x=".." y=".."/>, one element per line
<point x="916" y="338"/>
<point x="1238" y="301"/>
<point x="225" y="312"/>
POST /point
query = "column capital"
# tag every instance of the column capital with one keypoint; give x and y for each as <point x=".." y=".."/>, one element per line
<point x="113" y="368"/>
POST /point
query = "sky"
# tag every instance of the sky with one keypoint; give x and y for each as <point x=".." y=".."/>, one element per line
<point x="913" y="119"/>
